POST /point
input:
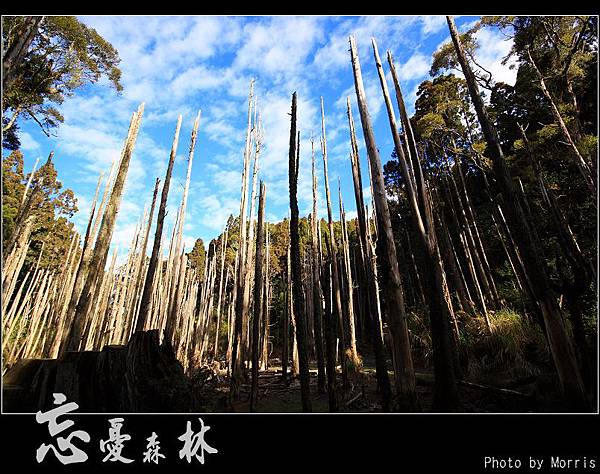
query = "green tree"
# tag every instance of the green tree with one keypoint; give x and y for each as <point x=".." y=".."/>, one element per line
<point x="63" y="55"/>
<point x="197" y="258"/>
<point x="50" y="207"/>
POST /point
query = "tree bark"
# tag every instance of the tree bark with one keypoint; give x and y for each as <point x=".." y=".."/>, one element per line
<point x="337" y="303"/>
<point x="386" y="255"/>
<point x="316" y="283"/>
<point x="258" y="295"/>
<point x="98" y="261"/>
<point x="16" y="51"/>
<point x="146" y="300"/>
<point x="236" y="354"/>
<point x="296" y="271"/>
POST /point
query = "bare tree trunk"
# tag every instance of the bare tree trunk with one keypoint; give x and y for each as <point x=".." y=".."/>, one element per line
<point x="316" y="283"/>
<point x="290" y="312"/>
<point x="294" y="163"/>
<point x="349" y="283"/>
<point x="177" y="283"/>
<point x="98" y="261"/>
<point x="285" y="327"/>
<point x="440" y="309"/>
<point x="14" y="262"/>
<point x="140" y="273"/>
<point x="223" y="247"/>
<point x="369" y="271"/>
<point x="266" y="303"/>
<point x="249" y="245"/>
<point x="258" y="295"/>
<point x="337" y="309"/>
<point x="328" y="322"/>
<point x="31" y="175"/>
<point x="236" y="355"/>
<point x="386" y="255"/>
<point x="146" y="299"/>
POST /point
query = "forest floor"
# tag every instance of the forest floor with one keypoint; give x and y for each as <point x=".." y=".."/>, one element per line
<point x="92" y="379"/>
<point x="277" y="396"/>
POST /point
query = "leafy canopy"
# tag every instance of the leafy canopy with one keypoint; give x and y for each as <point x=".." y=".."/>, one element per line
<point x="64" y="55"/>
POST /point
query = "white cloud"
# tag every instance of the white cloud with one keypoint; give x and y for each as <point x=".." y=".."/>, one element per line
<point x="196" y="79"/>
<point x="179" y="64"/>
<point x="416" y="67"/>
<point x="386" y="29"/>
<point x="433" y="23"/>
<point x="216" y="210"/>
<point x="493" y="47"/>
<point x="28" y="143"/>
<point x="278" y="46"/>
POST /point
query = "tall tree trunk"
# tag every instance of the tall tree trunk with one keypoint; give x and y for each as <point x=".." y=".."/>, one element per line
<point x="285" y="326"/>
<point x="366" y="256"/>
<point x="440" y="310"/>
<point x="266" y="303"/>
<point x="258" y="295"/>
<point x="316" y="283"/>
<point x="98" y="261"/>
<point x="337" y="303"/>
<point x="223" y="247"/>
<point x="345" y="257"/>
<point x="146" y="299"/>
<point x="236" y="355"/>
<point x="177" y="283"/>
<point x="140" y="273"/>
<point x="31" y="175"/>
<point x="328" y="323"/>
<point x="294" y="163"/>
<point x="386" y="255"/>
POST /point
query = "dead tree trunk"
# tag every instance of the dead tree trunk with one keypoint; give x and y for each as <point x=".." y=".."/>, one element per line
<point x="440" y="309"/>
<point x="223" y="247"/>
<point x="316" y="283"/>
<point x="258" y="295"/>
<point x="31" y="175"/>
<point x="299" y="315"/>
<point x="177" y="283"/>
<point x="337" y="303"/>
<point x="386" y="255"/>
<point x="266" y="303"/>
<point x="370" y="302"/>
<point x="140" y="273"/>
<point x="146" y="300"/>
<point x="285" y="326"/>
<point x="328" y="322"/>
<point x="345" y="257"/>
<point x="98" y="262"/>
<point x="236" y="355"/>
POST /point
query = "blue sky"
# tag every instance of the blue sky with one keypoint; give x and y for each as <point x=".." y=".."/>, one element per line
<point x="177" y="65"/>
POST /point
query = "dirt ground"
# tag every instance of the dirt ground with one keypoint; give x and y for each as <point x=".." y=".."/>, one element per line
<point x="277" y="396"/>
